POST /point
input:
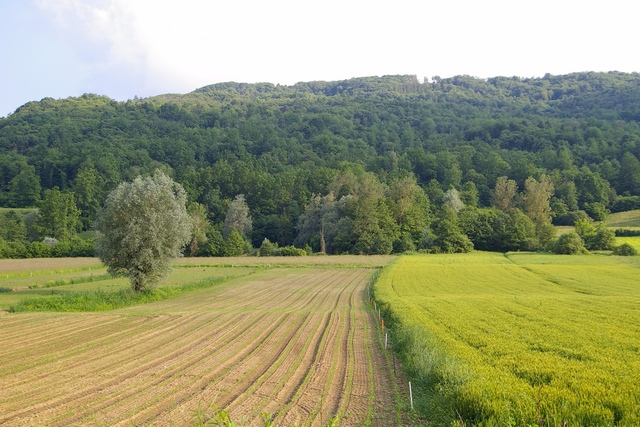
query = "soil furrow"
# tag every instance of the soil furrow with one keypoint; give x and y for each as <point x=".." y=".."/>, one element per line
<point x="79" y="355"/>
<point x="108" y="381"/>
<point x="295" y="342"/>
<point x="150" y="381"/>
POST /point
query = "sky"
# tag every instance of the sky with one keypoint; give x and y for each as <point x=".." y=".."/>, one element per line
<point x="128" y="48"/>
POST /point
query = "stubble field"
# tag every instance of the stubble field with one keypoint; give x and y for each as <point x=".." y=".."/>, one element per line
<point x="296" y="342"/>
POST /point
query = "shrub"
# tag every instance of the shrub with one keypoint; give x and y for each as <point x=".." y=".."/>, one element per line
<point x="267" y="248"/>
<point x="603" y="240"/>
<point x="38" y="250"/>
<point x="625" y="249"/>
<point x="570" y="243"/>
<point x="12" y="250"/>
<point x="289" y="251"/>
<point x="234" y="244"/>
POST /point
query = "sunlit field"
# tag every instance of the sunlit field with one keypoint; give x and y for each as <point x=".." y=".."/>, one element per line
<point x="238" y="342"/>
<point x="520" y="339"/>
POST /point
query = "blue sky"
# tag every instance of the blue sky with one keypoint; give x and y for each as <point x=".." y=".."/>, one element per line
<point x="127" y="48"/>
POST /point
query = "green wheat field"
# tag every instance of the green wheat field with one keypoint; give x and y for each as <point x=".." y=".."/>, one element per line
<point x="519" y="339"/>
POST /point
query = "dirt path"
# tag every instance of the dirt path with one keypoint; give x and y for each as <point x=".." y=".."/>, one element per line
<point x="296" y="343"/>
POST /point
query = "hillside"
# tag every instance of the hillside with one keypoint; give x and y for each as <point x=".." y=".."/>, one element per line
<point x="278" y="145"/>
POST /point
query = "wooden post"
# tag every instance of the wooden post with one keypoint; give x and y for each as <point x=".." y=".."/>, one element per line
<point x="385" y="340"/>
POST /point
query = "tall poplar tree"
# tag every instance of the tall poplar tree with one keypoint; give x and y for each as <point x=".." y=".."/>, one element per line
<point x="58" y="215"/>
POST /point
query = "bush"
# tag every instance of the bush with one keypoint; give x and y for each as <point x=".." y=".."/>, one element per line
<point x="289" y="251"/>
<point x="625" y="249"/>
<point x="267" y="248"/>
<point x="603" y="240"/>
<point x="457" y="243"/>
<point x="234" y="244"/>
<point x="38" y="250"/>
<point x="12" y="250"/>
<point x="570" y="243"/>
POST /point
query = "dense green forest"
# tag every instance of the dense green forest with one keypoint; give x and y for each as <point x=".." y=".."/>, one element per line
<point x="366" y="165"/>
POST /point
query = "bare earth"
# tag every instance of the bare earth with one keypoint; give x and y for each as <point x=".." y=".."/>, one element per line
<point x="296" y="343"/>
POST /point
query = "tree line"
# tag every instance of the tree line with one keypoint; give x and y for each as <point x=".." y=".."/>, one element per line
<point x="359" y="214"/>
<point x="360" y="166"/>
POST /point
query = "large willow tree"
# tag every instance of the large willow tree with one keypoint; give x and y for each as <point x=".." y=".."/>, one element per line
<point x="143" y="226"/>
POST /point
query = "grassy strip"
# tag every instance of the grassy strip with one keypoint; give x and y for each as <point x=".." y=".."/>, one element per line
<point x="62" y="282"/>
<point x="49" y="272"/>
<point x="103" y="301"/>
<point x="4" y="289"/>
<point x="436" y="376"/>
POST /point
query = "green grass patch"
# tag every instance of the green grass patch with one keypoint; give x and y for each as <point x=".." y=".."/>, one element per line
<point x="49" y="272"/>
<point x="72" y="281"/>
<point x="99" y="300"/>
<point x="517" y="340"/>
<point x="94" y="280"/>
<point x="5" y="290"/>
<point x="633" y="241"/>
<point x="624" y="219"/>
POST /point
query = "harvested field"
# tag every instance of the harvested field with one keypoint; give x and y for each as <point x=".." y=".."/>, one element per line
<point x="298" y="343"/>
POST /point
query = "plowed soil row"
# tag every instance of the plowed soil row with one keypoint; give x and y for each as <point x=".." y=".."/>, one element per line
<point x="293" y="342"/>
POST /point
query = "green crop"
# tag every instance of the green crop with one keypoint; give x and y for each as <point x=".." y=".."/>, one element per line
<point x="518" y="340"/>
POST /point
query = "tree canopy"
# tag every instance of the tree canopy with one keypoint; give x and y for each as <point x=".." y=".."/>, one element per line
<point x="388" y="149"/>
<point x="142" y="227"/>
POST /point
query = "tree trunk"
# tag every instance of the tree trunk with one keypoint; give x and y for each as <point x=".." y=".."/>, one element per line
<point x="323" y="245"/>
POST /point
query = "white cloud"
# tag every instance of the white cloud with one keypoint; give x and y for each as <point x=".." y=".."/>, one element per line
<point x="124" y="48"/>
<point x="104" y="36"/>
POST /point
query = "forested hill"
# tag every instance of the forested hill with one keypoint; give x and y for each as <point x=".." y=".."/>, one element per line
<point x="279" y="145"/>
